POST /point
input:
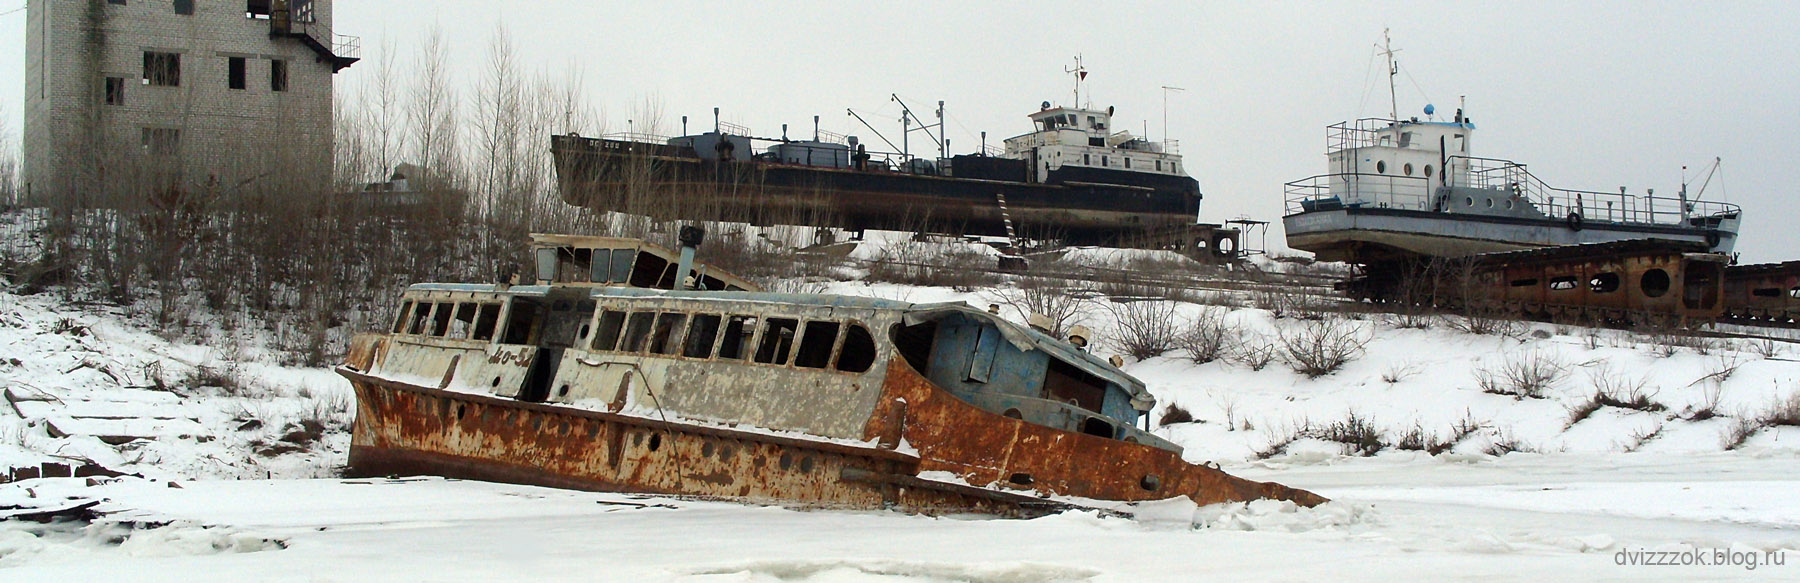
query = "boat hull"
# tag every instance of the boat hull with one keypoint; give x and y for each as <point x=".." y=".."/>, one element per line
<point x="1007" y="466"/>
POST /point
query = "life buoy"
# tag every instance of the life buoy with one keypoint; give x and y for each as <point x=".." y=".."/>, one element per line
<point x="1575" y="221"/>
<point x="1712" y="238"/>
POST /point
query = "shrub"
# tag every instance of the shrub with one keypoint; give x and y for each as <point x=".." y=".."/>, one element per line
<point x="1784" y="412"/>
<point x="1320" y="347"/>
<point x="1398" y="371"/>
<point x="1584" y="409"/>
<point x="1145" y="329"/>
<point x="1207" y="339"/>
<point x="1052" y="297"/>
<point x="1359" y="436"/>
<point x="1254" y="354"/>
<point x="1175" y="414"/>
<point x="1523" y="375"/>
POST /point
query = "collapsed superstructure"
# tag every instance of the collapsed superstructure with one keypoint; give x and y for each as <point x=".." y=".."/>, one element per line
<point x="628" y="368"/>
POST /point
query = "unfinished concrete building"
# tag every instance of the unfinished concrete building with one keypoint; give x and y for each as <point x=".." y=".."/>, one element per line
<point x="126" y="97"/>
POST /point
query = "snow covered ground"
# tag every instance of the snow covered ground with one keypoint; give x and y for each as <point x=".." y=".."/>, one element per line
<point x="1572" y="496"/>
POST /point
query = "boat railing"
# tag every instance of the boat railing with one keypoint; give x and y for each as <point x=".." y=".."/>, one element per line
<point x="1172" y="147"/>
<point x="734" y="129"/>
<point x="1614" y="207"/>
<point x="637" y="137"/>
<point x="1362" y="133"/>
<point x="1355" y="190"/>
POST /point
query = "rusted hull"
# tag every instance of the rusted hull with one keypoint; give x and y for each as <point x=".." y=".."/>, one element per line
<point x="986" y="449"/>
<point x="403" y="429"/>
<point x="409" y="430"/>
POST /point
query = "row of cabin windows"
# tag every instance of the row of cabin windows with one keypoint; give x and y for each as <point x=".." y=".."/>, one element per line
<point x="1088" y="160"/>
<point x="782" y="341"/>
<point x="1381" y="168"/>
<point x="668" y="333"/>
<point x="458" y="320"/>
<point x="163" y="69"/>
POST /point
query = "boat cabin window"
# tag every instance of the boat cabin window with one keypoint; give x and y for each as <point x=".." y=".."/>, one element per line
<point x="1562" y="283"/>
<point x="816" y="344"/>
<point x="546" y="264"/>
<point x="420" y="315"/>
<point x="612" y="322"/>
<point x="621" y="265"/>
<point x="1604" y="283"/>
<point x="1766" y="292"/>
<point x="464" y="323"/>
<point x="521" y="320"/>
<point x="668" y="328"/>
<point x="738" y="332"/>
<point x="1405" y="139"/>
<point x="600" y="266"/>
<point x="440" y="318"/>
<point x="777" y="341"/>
<point x="858" y="353"/>
<point x="649" y="270"/>
<point x="486" y="321"/>
<point x="637" y="331"/>
<point x="701" y="335"/>
<point x="400" y="319"/>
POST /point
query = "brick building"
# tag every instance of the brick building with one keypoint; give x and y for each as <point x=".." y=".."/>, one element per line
<point x="148" y="94"/>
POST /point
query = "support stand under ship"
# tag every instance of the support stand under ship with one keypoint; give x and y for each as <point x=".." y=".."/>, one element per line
<point x="1427" y="222"/>
<point x="1074" y="179"/>
<point x="628" y="368"/>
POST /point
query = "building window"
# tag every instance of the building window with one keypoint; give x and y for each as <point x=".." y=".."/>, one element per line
<point x="278" y="75"/>
<point x="115" y="91"/>
<point x="235" y="74"/>
<point x="258" y="9"/>
<point x="184" y="7"/>
<point x="162" y="69"/>
<point x="162" y="141"/>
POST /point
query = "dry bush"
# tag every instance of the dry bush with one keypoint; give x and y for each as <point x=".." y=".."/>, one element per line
<point x="1208" y="338"/>
<point x="1051" y="297"/>
<point x="1708" y="407"/>
<point x="1617" y="390"/>
<point x="1397" y="371"/>
<point x="1255" y="353"/>
<point x="1358" y="434"/>
<point x="1175" y="414"/>
<point x="1784" y="412"/>
<point x="1145" y="329"/>
<point x="1419" y="439"/>
<point x="1316" y="348"/>
<point x="1521" y="375"/>
<point x="1580" y="411"/>
<point x="1504" y="443"/>
<point x="1766" y="347"/>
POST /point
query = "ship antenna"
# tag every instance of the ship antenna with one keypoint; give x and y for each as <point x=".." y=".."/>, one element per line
<point x="1387" y="48"/>
<point x="1080" y="73"/>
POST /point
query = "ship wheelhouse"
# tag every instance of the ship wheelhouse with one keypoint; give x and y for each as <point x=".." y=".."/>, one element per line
<point x="1076" y="138"/>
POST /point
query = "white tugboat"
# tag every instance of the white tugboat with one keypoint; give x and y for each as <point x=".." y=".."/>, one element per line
<point x="1400" y="189"/>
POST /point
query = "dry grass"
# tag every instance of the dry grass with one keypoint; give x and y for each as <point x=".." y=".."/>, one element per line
<point x="1523" y="375"/>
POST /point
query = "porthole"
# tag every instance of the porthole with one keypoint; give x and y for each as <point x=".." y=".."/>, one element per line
<point x="1428" y="171"/>
<point x="1469" y="200"/>
<point x="1654" y="283"/>
<point x="1490" y="203"/>
<point x="1407" y="168"/>
<point x="1509" y="204"/>
<point x="1381" y="167"/>
<point x="1150" y="483"/>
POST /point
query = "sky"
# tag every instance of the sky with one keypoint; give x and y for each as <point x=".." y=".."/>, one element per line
<point x="1589" y="95"/>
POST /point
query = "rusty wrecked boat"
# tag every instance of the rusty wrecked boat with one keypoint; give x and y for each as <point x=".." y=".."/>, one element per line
<point x="607" y="375"/>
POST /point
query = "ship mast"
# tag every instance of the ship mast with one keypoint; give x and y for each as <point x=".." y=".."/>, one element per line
<point x="1387" y="49"/>
<point x="1080" y="73"/>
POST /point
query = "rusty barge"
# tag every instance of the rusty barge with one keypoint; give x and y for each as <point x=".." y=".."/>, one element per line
<point x="626" y="368"/>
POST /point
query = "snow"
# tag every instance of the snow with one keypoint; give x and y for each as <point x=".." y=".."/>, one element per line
<point x="217" y="502"/>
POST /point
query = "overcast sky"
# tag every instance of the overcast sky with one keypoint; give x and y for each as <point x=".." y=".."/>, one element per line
<point x="1590" y="95"/>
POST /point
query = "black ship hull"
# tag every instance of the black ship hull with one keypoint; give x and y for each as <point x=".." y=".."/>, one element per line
<point x="1078" y="206"/>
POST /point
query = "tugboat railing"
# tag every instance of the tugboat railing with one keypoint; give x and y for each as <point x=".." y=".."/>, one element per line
<point x="1615" y="207"/>
<point x="1356" y="190"/>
